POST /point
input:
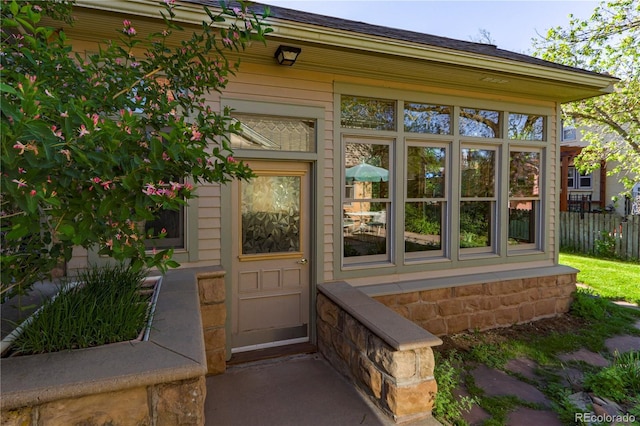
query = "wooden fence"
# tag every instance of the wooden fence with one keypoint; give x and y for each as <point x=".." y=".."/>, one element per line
<point x="601" y="234"/>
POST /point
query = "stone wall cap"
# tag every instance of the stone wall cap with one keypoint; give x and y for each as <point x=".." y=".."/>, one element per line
<point x="401" y="287"/>
<point x="397" y="331"/>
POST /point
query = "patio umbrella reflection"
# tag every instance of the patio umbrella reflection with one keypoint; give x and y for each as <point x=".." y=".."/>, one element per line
<point x="367" y="173"/>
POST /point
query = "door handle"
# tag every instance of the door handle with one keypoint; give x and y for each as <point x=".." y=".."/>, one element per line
<point x="303" y="261"/>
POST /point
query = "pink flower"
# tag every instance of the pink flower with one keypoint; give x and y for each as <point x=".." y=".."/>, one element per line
<point x="196" y="135"/>
<point x="21" y="183"/>
<point x="131" y="31"/>
<point x="33" y="193"/>
<point x="126" y="23"/>
<point x="64" y="114"/>
<point x="83" y="131"/>
<point x="163" y="231"/>
<point x="165" y="156"/>
<point x="231" y="160"/>
<point x="21" y="170"/>
<point x="20" y="146"/>
<point x="66" y="153"/>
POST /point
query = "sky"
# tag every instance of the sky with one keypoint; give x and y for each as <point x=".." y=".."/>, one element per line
<point x="511" y="24"/>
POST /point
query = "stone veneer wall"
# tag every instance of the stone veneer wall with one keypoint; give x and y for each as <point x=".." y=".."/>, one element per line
<point x="211" y="290"/>
<point x="386" y="356"/>
<point x="486" y="305"/>
<point x="173" y="403"/>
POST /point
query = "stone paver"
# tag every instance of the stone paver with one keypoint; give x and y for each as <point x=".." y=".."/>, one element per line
<point x="623" y="343"/>
<point x="477" y="415"/>
<point x="587" y="356"/>
<point x="523" y="366"/>
<point x="572" y="378"/>
<point x="526" y="417"/>
<point x="495" y="383"/>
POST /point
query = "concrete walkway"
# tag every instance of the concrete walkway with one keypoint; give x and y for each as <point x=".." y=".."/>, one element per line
<point x="297" y="390"/>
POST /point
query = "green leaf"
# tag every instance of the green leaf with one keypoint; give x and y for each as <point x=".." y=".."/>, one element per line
<point x="8" y="89"/>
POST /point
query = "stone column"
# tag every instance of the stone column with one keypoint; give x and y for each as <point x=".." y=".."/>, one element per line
<point x="211" y="288"/>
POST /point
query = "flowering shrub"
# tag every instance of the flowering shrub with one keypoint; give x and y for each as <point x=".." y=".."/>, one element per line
<point x="95" y="144"/>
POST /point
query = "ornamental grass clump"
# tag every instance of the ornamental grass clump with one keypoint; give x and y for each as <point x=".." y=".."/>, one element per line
<point x="106" y="307"/>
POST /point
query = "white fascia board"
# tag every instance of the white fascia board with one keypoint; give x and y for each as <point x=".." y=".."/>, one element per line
<point x="330" y="37"/>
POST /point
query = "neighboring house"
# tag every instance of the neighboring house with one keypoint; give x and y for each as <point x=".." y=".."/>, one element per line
<point x="458" y="229"/>
<point x="594" y="191"/>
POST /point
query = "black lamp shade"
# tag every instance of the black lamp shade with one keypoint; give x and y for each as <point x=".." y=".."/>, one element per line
<point x="287" y="55"/>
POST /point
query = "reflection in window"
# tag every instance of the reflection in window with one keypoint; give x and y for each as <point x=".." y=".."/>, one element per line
<point x="357" y="112"/>
<point x="524" y="174"/>
<point x="274" y="133"/>
<point x="478" y="172"/>
<point x="271" y="214"/>
<point x="367" y="204"/>
<point x="423" y="226"/>
<point x="476" y="219"/>
<point x="478" y="197"/>
<point x="526" y="127"/>
<point x="427" y="118"/>
<point x="522" y="222"/>
<point x="524" y="198"/>
<point x="479" y="122"/>
<point x="425" y="200"/>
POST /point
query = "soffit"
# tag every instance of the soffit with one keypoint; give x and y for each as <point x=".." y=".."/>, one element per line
<point x="351" y="54"/>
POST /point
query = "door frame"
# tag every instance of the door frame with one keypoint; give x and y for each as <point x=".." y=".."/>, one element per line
<point x="316" y="214"/>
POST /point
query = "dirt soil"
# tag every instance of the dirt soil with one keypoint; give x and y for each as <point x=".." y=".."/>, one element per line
<point x="463" y="342"/>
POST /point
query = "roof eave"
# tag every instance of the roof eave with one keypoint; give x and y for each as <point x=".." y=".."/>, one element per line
<point x="596" y="84"/>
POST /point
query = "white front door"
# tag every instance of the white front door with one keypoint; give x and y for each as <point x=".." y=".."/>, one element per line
<point x="271" y="272"/>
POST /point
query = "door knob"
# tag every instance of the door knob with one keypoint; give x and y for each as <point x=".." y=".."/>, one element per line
<point x="303" y="261"/>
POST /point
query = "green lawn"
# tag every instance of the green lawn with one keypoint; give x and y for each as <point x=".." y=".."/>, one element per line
<point x="611" y="279"/>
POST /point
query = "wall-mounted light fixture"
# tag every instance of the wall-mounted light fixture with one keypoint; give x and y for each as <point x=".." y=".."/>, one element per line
<point x="287" y="55"/>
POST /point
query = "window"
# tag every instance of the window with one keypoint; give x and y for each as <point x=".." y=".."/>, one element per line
<point x="426" y="200"/>
<point x="447" y="205"/>
<point x="526" y="127"/>
<point x="479" y="122"/>
<point x="173" y="224"/>
<point x="524" y="198"/>
<point x="427" y="118"/>
<point x="274" y="133"/>
<point x="366" y="213"/>
<point x="578" y="180"/>
<point x="569" y="134"/>
<point x="367" y="113"/>
<point x="478" y="198"/>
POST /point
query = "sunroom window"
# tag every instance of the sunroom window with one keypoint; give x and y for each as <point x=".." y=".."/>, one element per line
<point x="358" y="112"/>
<point x="480" y="123"/>
<point x="478" y="198"/>
<point x="524" y="198"/>
<point x="526" y="127"/>
<point x="427" y="118"/>
<point x="367" y="204"/>
<point x="426" y="200"/>
<point x="452" y="201"/>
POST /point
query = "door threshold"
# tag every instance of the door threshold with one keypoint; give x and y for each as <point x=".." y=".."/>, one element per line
<point x="272" y="352"/>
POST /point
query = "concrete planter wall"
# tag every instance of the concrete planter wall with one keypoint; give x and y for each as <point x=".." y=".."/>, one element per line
<point x="154" y="382"/>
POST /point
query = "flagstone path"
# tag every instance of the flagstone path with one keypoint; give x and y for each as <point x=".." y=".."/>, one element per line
<point x="519" y="377"/>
